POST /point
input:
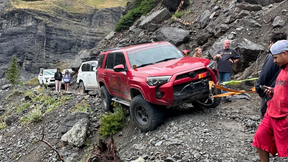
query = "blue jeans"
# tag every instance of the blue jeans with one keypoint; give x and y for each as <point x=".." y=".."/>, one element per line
<point x="223" y="77"/>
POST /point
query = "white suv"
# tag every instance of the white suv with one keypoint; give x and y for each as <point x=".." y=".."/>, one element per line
<point x="86" y="77"/>
<point x="46" y="76"/>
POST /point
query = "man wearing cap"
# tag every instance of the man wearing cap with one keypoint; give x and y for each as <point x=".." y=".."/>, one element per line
<point x="272" y="133"/>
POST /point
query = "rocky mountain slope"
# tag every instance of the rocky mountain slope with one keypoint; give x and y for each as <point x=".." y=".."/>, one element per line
<point x="41" y="39"/>
<point x="199" y="135"/>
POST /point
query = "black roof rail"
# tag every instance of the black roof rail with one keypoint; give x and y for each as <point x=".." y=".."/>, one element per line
<point x="126" y="45"/>
<point x="142" y="42"/>
<point x="116" y="48"/>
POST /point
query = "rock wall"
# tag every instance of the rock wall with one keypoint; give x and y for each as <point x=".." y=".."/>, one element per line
<point x="42" y="40"/>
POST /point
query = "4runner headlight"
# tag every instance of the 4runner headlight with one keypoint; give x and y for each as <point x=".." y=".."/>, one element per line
<point x="212" y="65"/>
<point x="154" y="81"/>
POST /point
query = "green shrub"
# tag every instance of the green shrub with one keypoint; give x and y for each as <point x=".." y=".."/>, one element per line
<point x="112" y="122"/>
<point x="142" y="7"/>
<point x="34" y="116"/>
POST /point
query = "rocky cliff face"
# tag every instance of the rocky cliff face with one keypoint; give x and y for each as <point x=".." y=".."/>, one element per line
<point x="39" y="39"/>
<point x="247" y="23"/>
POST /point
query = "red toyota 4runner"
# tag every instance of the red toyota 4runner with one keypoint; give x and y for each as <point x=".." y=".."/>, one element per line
<point x="153" y="76"/>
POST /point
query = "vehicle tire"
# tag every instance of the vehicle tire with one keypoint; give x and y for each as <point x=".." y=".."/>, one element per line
<point x="82" y="88"/>
<point x="106" y="99"/>
<point x="216" y="102"/>
<point x="145" y="115"/>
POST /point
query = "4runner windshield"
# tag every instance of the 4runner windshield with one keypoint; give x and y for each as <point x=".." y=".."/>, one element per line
<point x="153" y="54"/>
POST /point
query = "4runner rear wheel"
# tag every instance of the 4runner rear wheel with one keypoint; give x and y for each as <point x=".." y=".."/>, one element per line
<point x="106" y="99"/>
<point x="207" y="102"/>
<point x="145" y="115"/>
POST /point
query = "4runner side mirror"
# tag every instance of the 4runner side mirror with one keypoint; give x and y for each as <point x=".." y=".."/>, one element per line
<point x="185" y="52"/>
<point x="119" y="68"/>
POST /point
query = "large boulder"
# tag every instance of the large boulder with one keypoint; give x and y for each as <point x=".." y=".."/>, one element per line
<point x="72" y="119"/>
<point x="76" y="136"/>
<point x="176" y="36"/>
<point x="155" y="18"/>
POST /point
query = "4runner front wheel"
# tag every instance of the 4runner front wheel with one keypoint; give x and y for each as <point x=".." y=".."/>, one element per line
<point x="106" y="99"/>
<point x="145" y="115"/>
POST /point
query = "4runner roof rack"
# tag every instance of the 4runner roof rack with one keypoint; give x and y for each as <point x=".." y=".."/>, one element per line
<point x="126" y="45"/>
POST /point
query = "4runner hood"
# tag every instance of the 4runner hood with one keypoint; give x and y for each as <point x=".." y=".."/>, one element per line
<point x="174" y="66"/>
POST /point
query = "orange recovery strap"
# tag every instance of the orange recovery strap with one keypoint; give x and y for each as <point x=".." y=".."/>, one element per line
<point x="230" y="92"/>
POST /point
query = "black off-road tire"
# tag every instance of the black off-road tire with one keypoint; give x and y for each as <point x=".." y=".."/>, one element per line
<point x="82" y="88"/>
<point x="145" y="115"/>
<point x="106" y="99"/>
<point x="216" y="102"/>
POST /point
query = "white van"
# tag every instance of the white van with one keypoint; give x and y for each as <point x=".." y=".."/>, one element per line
<point x="86" y="77"/>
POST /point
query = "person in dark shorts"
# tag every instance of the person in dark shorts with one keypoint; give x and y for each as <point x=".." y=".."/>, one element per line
<point x="67" y="78"/>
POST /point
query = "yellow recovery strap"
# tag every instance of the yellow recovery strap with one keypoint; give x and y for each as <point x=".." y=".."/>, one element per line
<point x="230" y="92"/>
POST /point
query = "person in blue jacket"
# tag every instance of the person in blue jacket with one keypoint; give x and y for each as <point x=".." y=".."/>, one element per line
<point x="269" y="73"/>
<point x="66" y="78"/>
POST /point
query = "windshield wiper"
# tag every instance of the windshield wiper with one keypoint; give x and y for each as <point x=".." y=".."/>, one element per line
<point x="172" y="58"/>
<point x="145" y="65"/>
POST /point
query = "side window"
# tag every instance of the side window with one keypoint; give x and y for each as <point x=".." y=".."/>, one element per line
<point x="109" y="61"/>
<point x="100" y="62"/>
<point x="119" y="59"/>
<point x="88" y="67"/>
<point x="83" y="68"/>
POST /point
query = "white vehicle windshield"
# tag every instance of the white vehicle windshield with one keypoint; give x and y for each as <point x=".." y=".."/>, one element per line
<point x="153" y="54"/>
<point x="50" y="72"/>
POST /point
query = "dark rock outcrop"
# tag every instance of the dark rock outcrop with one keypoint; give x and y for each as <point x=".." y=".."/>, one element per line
<point x="42" y="40"/>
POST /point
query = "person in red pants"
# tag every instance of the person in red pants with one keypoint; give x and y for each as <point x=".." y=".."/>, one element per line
<point x="272" y="133"/>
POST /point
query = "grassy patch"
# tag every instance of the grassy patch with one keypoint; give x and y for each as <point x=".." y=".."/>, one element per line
<point x="33" y="81"/>
<point x="74" y="6"/>
<point x="15" y="92"/>
<point x="23" y="106"/>
<point x="3" y="125"/>
<point x="82" y="106"/>
<point x="141" y="8"/>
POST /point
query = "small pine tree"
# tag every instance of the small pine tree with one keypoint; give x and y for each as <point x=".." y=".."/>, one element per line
<point x="13" y="72"/>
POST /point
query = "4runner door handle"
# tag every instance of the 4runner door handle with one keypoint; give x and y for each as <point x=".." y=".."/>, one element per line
<point x="114" y="76"/>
